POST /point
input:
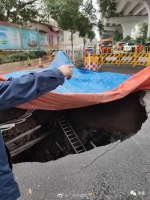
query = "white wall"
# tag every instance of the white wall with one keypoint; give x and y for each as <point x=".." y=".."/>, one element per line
<point x="76" y="40"/>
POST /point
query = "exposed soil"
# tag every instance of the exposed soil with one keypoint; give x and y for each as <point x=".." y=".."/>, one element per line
<point x="101" y="124"/>
<point x="124" y="115"/>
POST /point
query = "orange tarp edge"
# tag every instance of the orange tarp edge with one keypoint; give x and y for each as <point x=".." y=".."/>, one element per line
<point x="59" y="101"/>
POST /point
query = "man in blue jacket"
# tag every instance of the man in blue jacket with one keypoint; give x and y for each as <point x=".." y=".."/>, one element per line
<point x="17" y="91"/>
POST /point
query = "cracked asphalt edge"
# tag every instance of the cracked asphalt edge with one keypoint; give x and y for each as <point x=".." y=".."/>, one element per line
<point x="98" y="157"/>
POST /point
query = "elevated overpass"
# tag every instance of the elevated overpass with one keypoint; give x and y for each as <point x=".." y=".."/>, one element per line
<point x="130" y="12"/>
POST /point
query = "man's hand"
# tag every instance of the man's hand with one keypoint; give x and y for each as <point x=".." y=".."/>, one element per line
<point x="66" y="70"/>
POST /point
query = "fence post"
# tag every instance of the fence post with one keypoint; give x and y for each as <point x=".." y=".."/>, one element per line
<point x="82" y="52"/>
<point x="89" y="59"/>
<point x="73" y="55"/>
<point x="148" y="64"/>
<point x="135" y="57"/>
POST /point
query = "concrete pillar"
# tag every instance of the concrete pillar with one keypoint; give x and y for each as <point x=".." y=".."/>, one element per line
<point x="127" y="29"/>
<point x="147" y="5"/>
<point x="127" y="22"/>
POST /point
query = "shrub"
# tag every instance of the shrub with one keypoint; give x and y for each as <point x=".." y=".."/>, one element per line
<point x="22" y="56"/>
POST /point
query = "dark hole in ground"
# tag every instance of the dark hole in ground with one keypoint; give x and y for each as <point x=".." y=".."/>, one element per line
<point x="96" y="125"/>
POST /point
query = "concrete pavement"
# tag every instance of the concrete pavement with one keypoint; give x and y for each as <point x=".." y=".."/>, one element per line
<point x="119" y="171"/>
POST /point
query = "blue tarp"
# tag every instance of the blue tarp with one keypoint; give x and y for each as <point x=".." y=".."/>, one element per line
<point x="83" y="81"/>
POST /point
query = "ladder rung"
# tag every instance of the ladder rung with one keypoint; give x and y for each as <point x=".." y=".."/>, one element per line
<point x="75" y="142"/>
<point x="66" y="128"/>
<point x="70" y="134"/>
<point x="78" y="146"/>
<point x="73" y="138"/>
<point x="81" y="151"/>
<point x="68" y="131"/>
<point x="64" y="124"/>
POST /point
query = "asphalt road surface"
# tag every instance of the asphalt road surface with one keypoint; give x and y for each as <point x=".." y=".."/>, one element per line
<point x="119" y="171"/>
<point x="124" y="69"/>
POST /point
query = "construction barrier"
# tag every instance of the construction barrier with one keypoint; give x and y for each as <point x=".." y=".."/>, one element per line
<point x="53" y="53"/>
<point x="40" y="63"/>
<point x="29" y="62"/>
<point x="127" y="58"/>
<point x="131" y="58"/>
<point x="110" y="58"/>
<point x="91" y="62"/>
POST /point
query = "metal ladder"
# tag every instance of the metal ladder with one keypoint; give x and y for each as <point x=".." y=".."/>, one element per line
<point x="71" y="135"/>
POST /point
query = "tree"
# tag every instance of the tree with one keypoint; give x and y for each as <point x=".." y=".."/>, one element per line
<point x="127" y="39"/>
<point x="143" y="28"/>
<point x="140" y="40"/>
<point x="117" y="36"/>
<point x="108" y="8"/>
<point x="87" y="20"/>
<point x="66" y="13"/>
<point x="90" y="34"/>
<point x="18" y="11"/>
<point x="148" y="39"/>
<point x="84" y="26"/>
<point x="89" y="11"/>
<point x="100" y="26"/>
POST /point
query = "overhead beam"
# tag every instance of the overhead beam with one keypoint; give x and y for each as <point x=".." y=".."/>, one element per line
<point x="138" y="9"/>
<point x="144" y="11"/>
<point x="131" y="6"/>
<point x="120" y="6"/>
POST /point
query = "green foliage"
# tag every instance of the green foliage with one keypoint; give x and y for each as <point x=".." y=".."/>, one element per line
<point x="127" y="39"/>
<point x="90" y="34"/>
<point x="86" y="21"/>
<point x="117" y="36"/>
<point x="18" y="11"/>
<point x="100" y="26"/>
<point x="16" y="57"/>
<point x="65" y="13"/>
<point x="83" y="26"/>
<point x="73" y="15"/>
<point x="140" y="40"/>
<point x="88" y="10"/>
<point x="148" y="39"/>
<point x="143" y="28"/>
<point x="108" y="8"/>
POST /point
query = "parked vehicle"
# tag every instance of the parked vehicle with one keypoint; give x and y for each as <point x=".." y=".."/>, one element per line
<point x="148" y="46"/>
<point x="119" y="46"/>
<point x="89" y="49"/>
<point x="139" y="47"/>
<point x="129" y="47"/>
<point x="106" y="46"/>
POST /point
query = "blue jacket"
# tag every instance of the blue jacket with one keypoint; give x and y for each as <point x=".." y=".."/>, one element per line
<point x="12" y="93"/>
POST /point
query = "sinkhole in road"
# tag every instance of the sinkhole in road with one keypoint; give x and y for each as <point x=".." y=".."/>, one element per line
<point x="95" y="126"/>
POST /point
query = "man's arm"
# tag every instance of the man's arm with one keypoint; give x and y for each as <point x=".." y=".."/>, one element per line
<point x="20" y="90"/>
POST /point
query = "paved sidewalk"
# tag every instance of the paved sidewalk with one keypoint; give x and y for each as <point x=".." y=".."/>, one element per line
<point x="46" y="63"/>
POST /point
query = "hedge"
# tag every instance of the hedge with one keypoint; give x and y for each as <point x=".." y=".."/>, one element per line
<point x="16" y="57"/>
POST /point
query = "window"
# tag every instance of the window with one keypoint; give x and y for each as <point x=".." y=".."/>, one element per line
<point x="44" y="38"/>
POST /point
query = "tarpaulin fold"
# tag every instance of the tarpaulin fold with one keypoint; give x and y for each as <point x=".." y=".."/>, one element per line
<point x="86" y="87"/>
